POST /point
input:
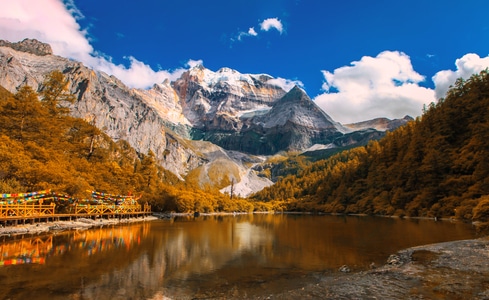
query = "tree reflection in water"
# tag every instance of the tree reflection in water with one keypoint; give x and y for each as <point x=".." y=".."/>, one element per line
<point x="208" y="256"/>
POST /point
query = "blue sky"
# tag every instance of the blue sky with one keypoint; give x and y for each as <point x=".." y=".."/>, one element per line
<point x="356" y="59"/>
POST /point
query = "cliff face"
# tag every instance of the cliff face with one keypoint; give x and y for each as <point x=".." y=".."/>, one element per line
<point x="123" y="113"/>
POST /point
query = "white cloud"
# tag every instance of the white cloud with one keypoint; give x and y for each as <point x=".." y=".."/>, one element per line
<point x="285" y="84"/>
<point x="53" y="22"/>
<point x="270" y="23"/>
<point x="266" y="25"/>
<point x="193" y="63"/>
<point x="46" y="20"/>
<point x="381" y="86"/>
<point x="252" y="32"/>
<point x="138" y="75"/>
<point x="467" y="65"/>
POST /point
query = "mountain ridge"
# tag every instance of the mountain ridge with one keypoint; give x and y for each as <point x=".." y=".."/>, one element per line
<point x="226" y="108"/>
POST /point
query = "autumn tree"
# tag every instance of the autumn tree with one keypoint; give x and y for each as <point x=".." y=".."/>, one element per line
<point x="20" y="115"/>
<point x="55" y="93"/>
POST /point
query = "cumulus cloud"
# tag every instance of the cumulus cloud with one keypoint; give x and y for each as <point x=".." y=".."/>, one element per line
<point x="138" y="74"/>
<point x="285" y="84"/>
<point x="46" y="20"/>
<point x="381" y="86"/>
<point x="467" y="65"/>
<point x="270" y="23"/>
<point x="53" y="22"/>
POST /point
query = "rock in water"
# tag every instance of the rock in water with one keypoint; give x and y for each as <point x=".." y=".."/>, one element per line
<point x="344" y="269"/>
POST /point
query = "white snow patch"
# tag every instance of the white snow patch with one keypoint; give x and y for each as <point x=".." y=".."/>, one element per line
<point x="258" y="111"/>
<point x="250" y="183"/>
<point x="232" y="77"/>
<point x="316" y="147"/>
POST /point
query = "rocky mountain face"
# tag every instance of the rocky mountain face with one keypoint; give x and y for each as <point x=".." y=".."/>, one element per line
<point x="216" y="100"/>
<point x="140" y="117"/>
<point x="248" y="113"/>
<point x="243" y="115"/>
<point x="30" y="46"/>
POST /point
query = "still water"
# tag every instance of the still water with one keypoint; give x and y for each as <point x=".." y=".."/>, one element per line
<point x="206" y="257"/>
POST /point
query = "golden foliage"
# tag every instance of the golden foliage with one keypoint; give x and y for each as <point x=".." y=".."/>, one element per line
<point x="435" y="166"/>
<point x="43" y="148"/>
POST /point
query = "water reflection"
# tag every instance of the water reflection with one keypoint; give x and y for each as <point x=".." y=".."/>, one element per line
<point x="26" y="251"/>
<point x="207" y="256"/>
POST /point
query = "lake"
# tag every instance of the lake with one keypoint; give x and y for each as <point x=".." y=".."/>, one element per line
<point x="207" y="256"/>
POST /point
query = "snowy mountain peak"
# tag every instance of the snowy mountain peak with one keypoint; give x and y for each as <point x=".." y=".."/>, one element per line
<point x="229" y="77"/>
<point x="226" y="70"/>
<point x="296" y="107"/>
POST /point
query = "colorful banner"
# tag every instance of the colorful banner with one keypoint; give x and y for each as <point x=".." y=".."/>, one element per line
<point x="47" y="195"/>
<point x="33" y="197"/>
<point x="26" y="195"/>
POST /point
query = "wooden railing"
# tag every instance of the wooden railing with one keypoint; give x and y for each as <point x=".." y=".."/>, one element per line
<point x="100" y="209"/>
<point x="31" y="211"/>
<point x="26" y="210"/>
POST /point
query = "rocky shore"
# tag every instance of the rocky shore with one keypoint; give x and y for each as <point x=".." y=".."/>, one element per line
<point x="81" y="223"/>
<point x="451" y="270"/>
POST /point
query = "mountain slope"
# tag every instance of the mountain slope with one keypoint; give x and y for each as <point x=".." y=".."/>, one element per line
<point x="216" y="100"/>
<point x="249" y="113"/>
<point x="436" y="166"/>
<point x="138" y="117"/>
<point x="44" y="149"/>
<point x="380" y="124"/>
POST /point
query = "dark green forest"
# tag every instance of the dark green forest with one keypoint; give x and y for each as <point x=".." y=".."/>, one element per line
<point x="435" y="166"/>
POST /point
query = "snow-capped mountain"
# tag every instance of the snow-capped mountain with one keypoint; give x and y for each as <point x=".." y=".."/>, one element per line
<point x="216" y="100"/>
<point x="251" y="113"/>
<point x="248" y="113"/>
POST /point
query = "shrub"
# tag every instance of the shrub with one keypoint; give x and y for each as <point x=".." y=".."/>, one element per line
<point x="480" y="213"/>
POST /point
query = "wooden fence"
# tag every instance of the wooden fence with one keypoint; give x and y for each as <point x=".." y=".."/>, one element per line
<point x="26" y="210"/>
<point x="29" y="206"/>
<point x="23" y="212"/>
<point x="102" y="209"/>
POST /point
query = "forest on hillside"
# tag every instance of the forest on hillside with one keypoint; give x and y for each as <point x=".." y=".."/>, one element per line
<point x="43" y="148"/>
<point x="435" y="166"/>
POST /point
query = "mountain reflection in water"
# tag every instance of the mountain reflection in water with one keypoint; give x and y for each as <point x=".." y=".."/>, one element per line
<point x="208" y="256"/>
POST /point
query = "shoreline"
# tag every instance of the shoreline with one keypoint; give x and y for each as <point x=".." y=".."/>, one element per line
<point x="448" y="270"/>
<point x="57" y="226"/>
<point x="84" y="223"/>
